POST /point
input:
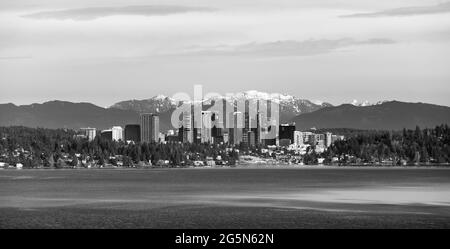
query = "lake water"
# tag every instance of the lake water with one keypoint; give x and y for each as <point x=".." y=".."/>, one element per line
<point x="226" y="198"/>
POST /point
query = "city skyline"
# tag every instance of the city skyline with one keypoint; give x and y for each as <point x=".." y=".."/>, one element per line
<point x="105" y="52"/>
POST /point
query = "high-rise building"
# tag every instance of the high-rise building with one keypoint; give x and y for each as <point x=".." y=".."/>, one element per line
<point x="262" y="129"/>
<point x="90" y="133"/>
<point x="268" y="123"/>
<point x="251" y="138"/>
<point x="245" y="136"/>
<point x="117" y="133"/>
<point x="269" y="134"/>
<point x="217" y="127"/>
<point x="286" y="131"/>
<point x="238" y="128"/>
<point x="186" y="131"/>
<point x="257" y="121"/>
<point x="250" y="118"/>
<point x="155" y="127"/>
<point x="133" y="133"/>
<point x="230" y="127"/>
<point x="149" y="127"/>
<point x="206" y="127"/>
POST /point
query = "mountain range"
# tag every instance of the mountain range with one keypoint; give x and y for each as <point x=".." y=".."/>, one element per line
<point x="390" y="115"/>
<point x="291" y="106"/>
<point x="386" y="115"/>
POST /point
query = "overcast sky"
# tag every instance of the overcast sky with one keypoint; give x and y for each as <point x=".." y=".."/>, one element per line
<point x="336" y="51"/>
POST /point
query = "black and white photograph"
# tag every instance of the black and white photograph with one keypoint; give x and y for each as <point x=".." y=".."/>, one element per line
<point x="224" y="114"/>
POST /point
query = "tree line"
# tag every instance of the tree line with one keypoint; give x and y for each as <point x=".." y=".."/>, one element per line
<point x="35" y="147"/>
<point x="409" y="146"/>
<point x="48" y="147"/>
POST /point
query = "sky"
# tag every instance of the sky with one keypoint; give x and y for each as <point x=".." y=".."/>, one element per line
<point x="335" y="51"/>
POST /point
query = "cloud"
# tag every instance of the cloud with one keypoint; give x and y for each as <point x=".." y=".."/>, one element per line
<point x="84" y="14"/>
<point x="283" y="48"/>
<point x="407" y="11"/>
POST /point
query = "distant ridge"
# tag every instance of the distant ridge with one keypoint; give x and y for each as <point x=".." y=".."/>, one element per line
<point x="391" y="115"/>
<point x="64" y="114"/>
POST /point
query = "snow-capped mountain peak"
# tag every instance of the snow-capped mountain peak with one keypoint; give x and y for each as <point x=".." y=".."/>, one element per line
<point x="159" y="97"/>
<point x="317" y="102"/>
<point x="358" y="103"/>
<point x="290" y="105"/>
<point x="366" y="103"/>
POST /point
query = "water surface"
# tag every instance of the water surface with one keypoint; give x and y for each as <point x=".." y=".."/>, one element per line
<point x="226" y="198"/>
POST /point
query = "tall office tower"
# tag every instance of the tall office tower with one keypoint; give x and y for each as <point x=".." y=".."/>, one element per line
<point x="269" y="123"/>
<point x="149" y="127"/>
<point x="245" y="137"/>
<point x="253" y="123"/>
<point x="206" y="127"/>
<point x="286" y="131"/>
<point x="223" y="116"/>
<point x="298" y="138"/>
<point x="107" y="135"/>
<point x="230" y="127"/>
<point x="196" y="122"/>
<point x="217" y="127"/>
<point x="251" y="138"/>
<point x="216" y="133"/>
<point x="237" y="128"/>
<point x="228" y="122"/>
<point x="267" y="130"/>
<point x="117" y="133"/>
<point x="155" y="128"/>
<point x="328" y="139"/>
<point x="250" y="117"/>
<point x="257" y="130"/>
<point x="186" y="132"/>
<point x="197" y="134"/>
<point x="133" y="133"/>
<point x="246" y="123"/>
<point x="90" y="133"/>
<point x="262" y="129"/>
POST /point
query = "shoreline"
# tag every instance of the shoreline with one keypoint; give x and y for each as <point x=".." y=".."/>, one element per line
<point x="263" y="166"/>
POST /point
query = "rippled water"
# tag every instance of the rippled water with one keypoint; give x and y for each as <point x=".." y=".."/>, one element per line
<point x="358" y="190"/>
